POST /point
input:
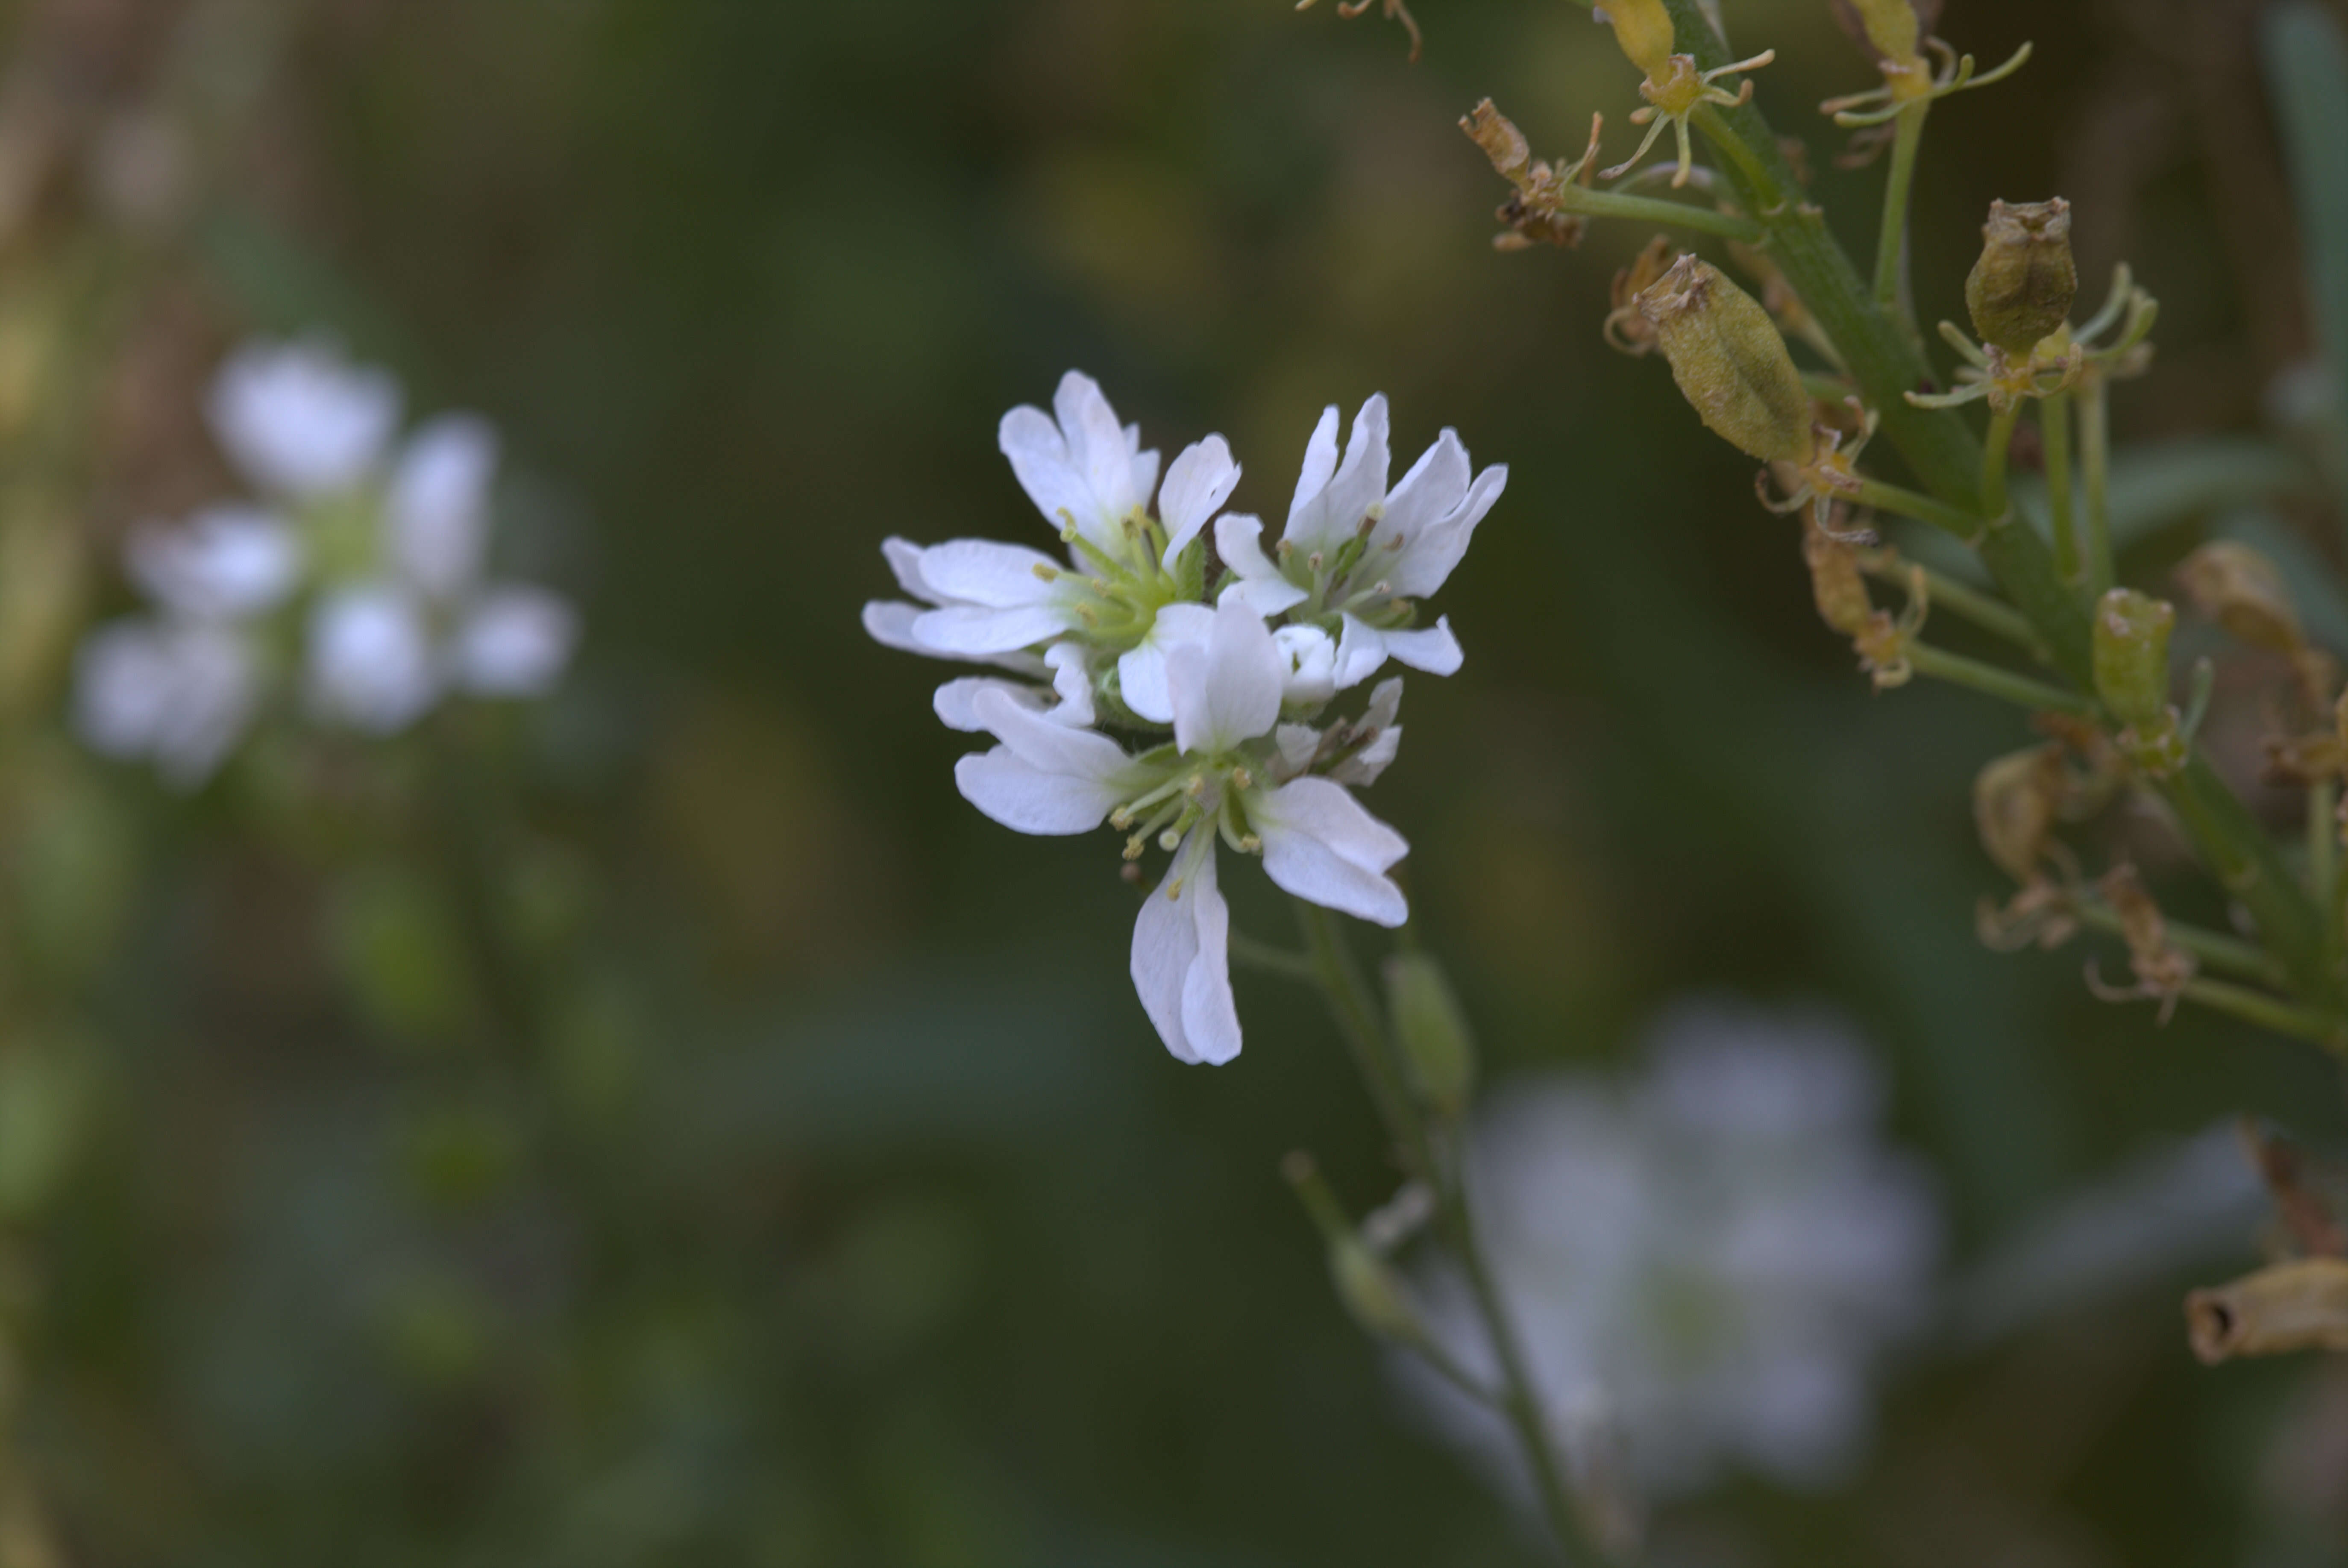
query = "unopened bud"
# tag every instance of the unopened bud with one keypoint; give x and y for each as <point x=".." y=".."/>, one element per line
<point x="2132" y="654"/>
<point x="1367" y="1285"/>
<point x="1433" y="1029"/>
<point x="2020" y="289"/>
<point x="2244" y="592"/>
<point x="2297" y="1305"/>
<point x="1643" y="28"/>
<point x="1730" y="362"/>
<point x="2017" y="799"/>
<point x="1888" y="29"/>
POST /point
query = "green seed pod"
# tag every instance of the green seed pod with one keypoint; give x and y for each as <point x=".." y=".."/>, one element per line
<point x="1433" y="1029"/>
<point x="2132" y="655"/>
<point x="2020" y="289"/>
<point x="1367" y="1285"/>
<point x="1643" y="29"/>
<point x="1730" y="362"/>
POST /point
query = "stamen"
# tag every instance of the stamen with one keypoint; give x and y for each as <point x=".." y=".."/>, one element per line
<point x="1313" y="560"/>
<point x="1046" y="571"/>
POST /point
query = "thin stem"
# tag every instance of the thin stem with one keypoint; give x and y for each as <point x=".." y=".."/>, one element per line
<point x="1272" y="959"/>
<point x="2095" y="471"/>
<point x="1582" y="202"/>
<point x="2055" y="429"/>
<point x="2269" y="1012"/>
<point x="1966" y="525"/>
<point x="1959" y="599"/>
<point x="2005" y="685"/>
<point x="1993" y="456"/>
<point x="1355" y="1009"/>
<point x="2247" y="960"/>
<point x="1891" y="243"/>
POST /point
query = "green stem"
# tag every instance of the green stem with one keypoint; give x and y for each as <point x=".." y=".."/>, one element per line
<point x="2323" y="850"/>
<point x="2270" y="1012"/>
<point x="2054" y="428"/>
<point x="1582" y="202"/>
<point x="1271" y="960"/>
<point x="1891" y="243"/>
<point x="1355" y="1009"/>
<point x="1994" y="452"/>
<point x="1966" y="525"/>
<point x="1959" y="599"/>
<point x="1940" y="449"/>
<point x="2095" y="473"/>
<point x="1958" y="670"/>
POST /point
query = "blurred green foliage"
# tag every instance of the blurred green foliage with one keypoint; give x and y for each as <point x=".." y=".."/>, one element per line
<point x="670" y="1126"/>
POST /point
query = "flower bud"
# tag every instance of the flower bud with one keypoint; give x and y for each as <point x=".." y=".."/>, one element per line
<point x="1890" y="29"/>
<point x="1643" y="28"/>
<point x="2132" y="655"/>
<point x="2020" y="289"/>
<point x="1367" y="1285"/>
<point x="2297" y="1305"/>
<point x="1729" y="361"/>
<point x="1433" y="1029"/>
<point x="2244" y="592"/>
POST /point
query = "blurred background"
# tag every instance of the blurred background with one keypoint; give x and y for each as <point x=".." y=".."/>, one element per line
<point x="666" y="1124"/>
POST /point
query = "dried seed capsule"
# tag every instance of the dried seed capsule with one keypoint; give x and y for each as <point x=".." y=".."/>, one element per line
<point x="2020" y="289"/>
<point x="1730" y="362"/>
<point x="2132" y="655"/>
<point x="2244" y="592"/>
<point x="2017" y="799"/>
<point x="2302" y="1305"/>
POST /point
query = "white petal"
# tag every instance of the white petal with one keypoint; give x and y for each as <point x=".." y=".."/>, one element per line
<point x="1296" y="744"/>
<point x="890" y="623"/>
<point x="224" y="563"/>
<point x="1253" y="579"/>
<point x="1319" y="844"/>
<point x="1309" y="666"/>
<point x="1199" y="481"/>
<point x="1229" y="690"/>
<point x="956" y="702"/>
<point x="371" y="662"/>
<point x="1430" y="648"/>
<point x="1385" y="704"/>
<point x="1053" y="748"/>
<point x="1039" y="459"/>
<point x="1328" y="519"/>
<point x="1427" y="558"/>
<point x="1141" y="669"/>
<point x="1210" y="1017"/>
<point x="300" y="419"/>
<point x="1180" y="962"/>
<point x="1101" y="449"/>
<point x="969" y="629"/>
<point x="1320" y="462"/>
<point x="1363" y="767"/>
<point x="1429" y="491"/>
<point x="514" y="642"/>
<point x="1029" y="799"/>
<point x="438" y="506"/>
<point x="982" y="571"/>
<point x="1361" y="653"/>
<point x="1072" y="682"/>
<point x="904" y="558"/>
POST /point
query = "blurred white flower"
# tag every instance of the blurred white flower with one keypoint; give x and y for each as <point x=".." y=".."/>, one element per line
<point x="300" y="419"/>
<point x="174" y="693"/>
<point x="1705" y="1264"/>
<point x="1222" y="777"/>
<point x="372" y="559"/>
<point x="1354" y="556"/>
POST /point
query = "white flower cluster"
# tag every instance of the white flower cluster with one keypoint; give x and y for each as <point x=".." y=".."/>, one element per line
<point x="1222" y="664"/>
<point x="1705" y="1263"/>
<point x="361" y="560"/>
